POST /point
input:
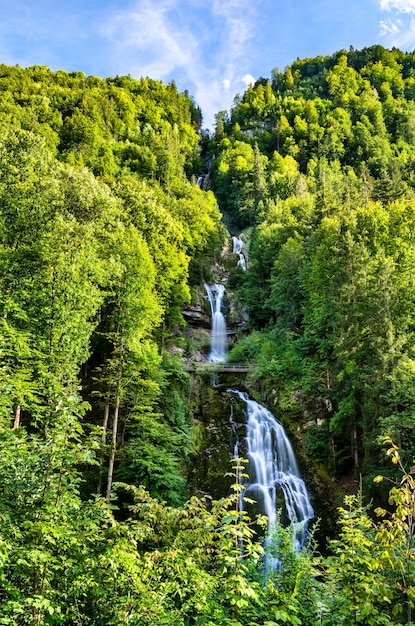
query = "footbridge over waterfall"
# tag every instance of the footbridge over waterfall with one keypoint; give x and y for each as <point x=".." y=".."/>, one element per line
<point x="219" y="368"/>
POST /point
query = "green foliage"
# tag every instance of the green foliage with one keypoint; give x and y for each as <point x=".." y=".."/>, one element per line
<point x="99" y="225"/>
<point x="359" y="569"/>
<point x="246" y="349"/>
<point x="369" y="576"/>
<point x="196" y="564"/>
<point x="103" y="232"/>
<point x="328" y="287"/>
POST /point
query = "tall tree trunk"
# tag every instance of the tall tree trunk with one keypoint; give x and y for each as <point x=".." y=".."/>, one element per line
<point x="355" y="449"/>
<point x="105" y="421"/>
<point x="113" y="448"/>
<point x="103" y="441"/>
<point x="17" y="412"/>
<point x="115" y="427"/>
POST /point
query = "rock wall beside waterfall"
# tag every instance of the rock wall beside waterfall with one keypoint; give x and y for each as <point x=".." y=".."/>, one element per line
<point x="213" y="439"/>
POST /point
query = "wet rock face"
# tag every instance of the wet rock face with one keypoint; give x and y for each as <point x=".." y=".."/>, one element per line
<point x="214" y="443"/>
<point x="196" y="316"/>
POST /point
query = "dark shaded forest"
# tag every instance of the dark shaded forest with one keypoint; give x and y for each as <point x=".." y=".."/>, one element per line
<point x="105" y="236"/>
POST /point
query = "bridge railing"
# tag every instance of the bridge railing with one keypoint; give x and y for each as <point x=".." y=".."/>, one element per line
<point x="239" y="368"/>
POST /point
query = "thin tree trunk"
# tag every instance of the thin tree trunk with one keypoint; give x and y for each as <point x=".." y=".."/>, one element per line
<point x="103" y="441"/>
<point x="332" y="456"/>
<point x="113" y="448"/>
<point x="116" y="414"/>
<point x="355" y="446"/>
<point x="105" y="422"/>
<point x="115" y="426"/>
<point x="17" y="412"/>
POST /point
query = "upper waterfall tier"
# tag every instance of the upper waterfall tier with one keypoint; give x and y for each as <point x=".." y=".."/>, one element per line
<point x="238" y="245"/>
<point x="218" y="342"/>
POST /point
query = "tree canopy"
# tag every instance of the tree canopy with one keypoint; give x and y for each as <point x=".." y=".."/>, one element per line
<point x="329" y="286"/>
<point x="105" y="236"/>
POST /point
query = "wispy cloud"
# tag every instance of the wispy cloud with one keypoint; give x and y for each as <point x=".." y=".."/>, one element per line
<point x="389" y="28"/>
<point x="168" y="39"/>
<point x="402" y="6"/>
<point x="147" y="37"/>
<point x="398" y="28"/>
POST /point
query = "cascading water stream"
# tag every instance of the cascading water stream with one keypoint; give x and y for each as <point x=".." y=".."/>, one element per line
<point x="238" y="244"/>
<point x="218" y="338"/>
<point x="273" y="470"/>
<point x="274" y="479"/>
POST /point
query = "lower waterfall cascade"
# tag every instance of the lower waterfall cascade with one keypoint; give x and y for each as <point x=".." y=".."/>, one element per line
<point x="273" y="469"/>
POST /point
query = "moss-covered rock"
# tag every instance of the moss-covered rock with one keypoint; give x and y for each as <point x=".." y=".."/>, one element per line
<point x="220" y="421"/>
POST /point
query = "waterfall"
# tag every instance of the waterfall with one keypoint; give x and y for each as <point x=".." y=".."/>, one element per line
<point x="273" y="470"/>
<point x="218" y="341"/>
<point x="237" y="249"/>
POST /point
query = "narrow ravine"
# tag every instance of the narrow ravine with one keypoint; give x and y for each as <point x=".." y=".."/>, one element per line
<point x="274" y="479"/>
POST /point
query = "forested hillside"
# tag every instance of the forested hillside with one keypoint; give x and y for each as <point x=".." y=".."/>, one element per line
<point x="105" y="236"/>
<point x="101" y="231"/>
<point x="317" y="166"/>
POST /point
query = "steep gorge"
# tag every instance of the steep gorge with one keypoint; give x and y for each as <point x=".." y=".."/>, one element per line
<point x="222" y="428"/>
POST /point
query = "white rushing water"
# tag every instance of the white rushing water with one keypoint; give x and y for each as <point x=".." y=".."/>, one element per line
<point x="273" y="470"/>
<point x="218" y="339"/>
<point x="238" y="245"/>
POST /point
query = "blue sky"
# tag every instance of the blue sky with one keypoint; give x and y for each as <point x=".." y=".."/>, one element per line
<point x="212" y="48"/>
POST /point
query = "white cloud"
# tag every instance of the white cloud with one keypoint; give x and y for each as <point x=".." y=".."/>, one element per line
<point x="248" y="79"/>
<point x="389" y="28"/>
<point x="398" y="29"/>
<point x="237" y="19"/>
<point x="402" y="6"/>
<point x="166" y="39"/>
<point x="149" y="38"/>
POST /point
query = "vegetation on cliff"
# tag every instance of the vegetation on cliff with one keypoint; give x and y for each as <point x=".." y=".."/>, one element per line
<point x="318" y="162"/>
<point x="104" y="232"/>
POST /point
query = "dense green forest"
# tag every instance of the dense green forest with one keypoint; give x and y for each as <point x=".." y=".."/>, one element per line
<point x="105" y="236"/>
<point x="317" y="166"/>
